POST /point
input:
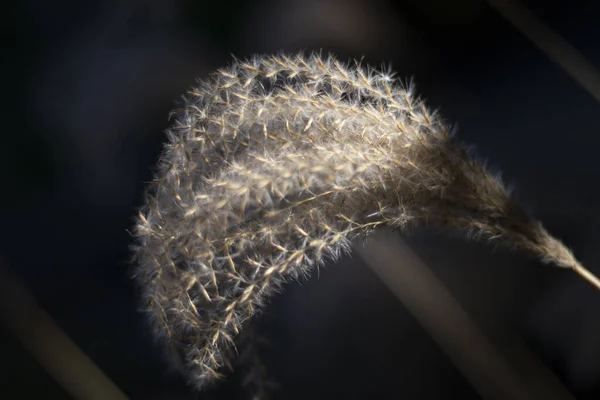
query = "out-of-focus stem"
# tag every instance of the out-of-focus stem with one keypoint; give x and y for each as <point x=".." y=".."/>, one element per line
<point x="551" y="43"/>
<point x="50" y="346"/>
<point x="426" y="298"/>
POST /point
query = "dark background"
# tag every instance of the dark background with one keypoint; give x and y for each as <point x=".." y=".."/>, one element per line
<point x="87" y="92"/>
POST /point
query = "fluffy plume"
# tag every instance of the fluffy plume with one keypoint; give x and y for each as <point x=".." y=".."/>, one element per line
<point x="276" y="164"/>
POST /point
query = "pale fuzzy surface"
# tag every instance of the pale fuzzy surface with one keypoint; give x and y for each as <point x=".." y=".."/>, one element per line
<point x="276" y="164"/>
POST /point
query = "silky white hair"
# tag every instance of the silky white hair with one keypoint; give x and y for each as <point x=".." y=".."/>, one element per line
<point x="277" y="163"/>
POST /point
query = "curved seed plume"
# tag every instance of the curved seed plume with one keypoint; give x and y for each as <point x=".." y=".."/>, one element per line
<point x="276" y="164"/>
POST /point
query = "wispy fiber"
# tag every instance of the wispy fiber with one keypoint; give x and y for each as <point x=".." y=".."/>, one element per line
<point x="276" y="164"/>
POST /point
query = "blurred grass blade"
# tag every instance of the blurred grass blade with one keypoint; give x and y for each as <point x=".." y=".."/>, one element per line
<point x="464" y="342"/>
<point x="50" y="346"/>
<point x="551" y="43"/>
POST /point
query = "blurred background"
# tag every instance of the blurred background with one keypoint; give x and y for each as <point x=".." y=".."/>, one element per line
<point x="88" y="90"/>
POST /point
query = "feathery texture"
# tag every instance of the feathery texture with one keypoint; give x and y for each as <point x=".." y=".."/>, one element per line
<point x="276" y="164"/>
<point x="256" y="382"/>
